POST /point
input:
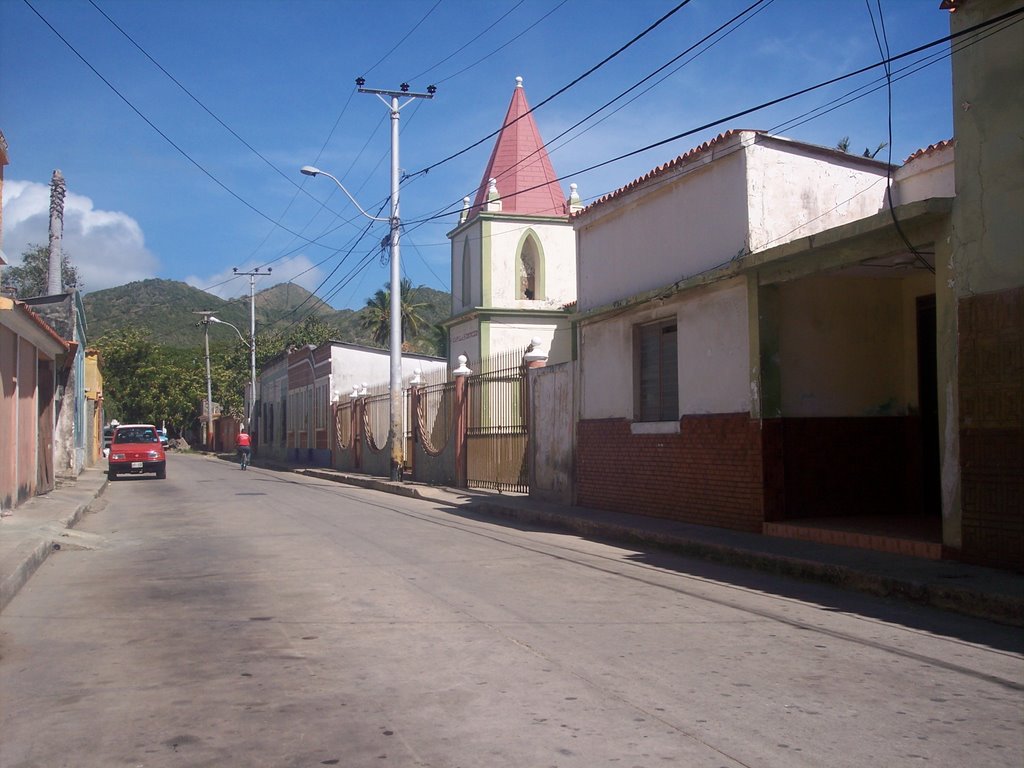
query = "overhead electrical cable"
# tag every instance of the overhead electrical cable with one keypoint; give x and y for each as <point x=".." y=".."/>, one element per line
<point x="563" y="89"/>
<point x="473" y="39"/>
<point x="152" y="125"/>
<point x="404" y="38"/>
<point x="501" y="47"/>
<point x="754" y="7"/>
<point x="455" y="206"/>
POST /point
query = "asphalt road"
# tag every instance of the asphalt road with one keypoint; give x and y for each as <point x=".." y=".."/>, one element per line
<point x="228" y="618"/>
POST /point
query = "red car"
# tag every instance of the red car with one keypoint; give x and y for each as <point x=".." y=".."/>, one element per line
<point x="134" y="449"/>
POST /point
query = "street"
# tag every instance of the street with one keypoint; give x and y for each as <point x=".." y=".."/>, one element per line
<point x="259" y="618"/>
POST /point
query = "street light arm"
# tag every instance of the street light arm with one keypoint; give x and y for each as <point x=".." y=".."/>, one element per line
<point x="309" y="170"/>
<point x="225" y="322"/>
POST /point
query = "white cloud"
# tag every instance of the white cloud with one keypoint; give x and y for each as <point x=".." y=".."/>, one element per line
<point x="107" y="247"/>
<point x="226" y="284"/>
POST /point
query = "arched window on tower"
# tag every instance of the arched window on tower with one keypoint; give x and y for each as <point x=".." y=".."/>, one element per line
<point x="467" y="285"/>
<point x="529" y="266"/>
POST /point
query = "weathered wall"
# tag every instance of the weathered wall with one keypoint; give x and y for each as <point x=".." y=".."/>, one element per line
<point x="558" y="262"/>
<point x="982" y="387"/>
<point x="551" y="432"/>
<point x="794" y="190"/>
<point x="713" y="354"/>
<point x="692" y="220"/>
<point x="842" y="348"/>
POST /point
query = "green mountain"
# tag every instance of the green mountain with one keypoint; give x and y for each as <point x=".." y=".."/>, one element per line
<point x="169" y="309"/>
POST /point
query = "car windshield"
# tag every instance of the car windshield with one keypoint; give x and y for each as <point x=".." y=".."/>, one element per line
<point x="136" y="435"/>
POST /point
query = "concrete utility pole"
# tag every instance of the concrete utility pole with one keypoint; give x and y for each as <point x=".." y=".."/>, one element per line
<point x="395" y="431"/>
<point x="55" y="281"/>
<point x="252" y="336"/>
<point x="205" y="322"/>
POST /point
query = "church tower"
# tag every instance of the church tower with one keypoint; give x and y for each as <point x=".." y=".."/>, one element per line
<point x="514" y="250"/>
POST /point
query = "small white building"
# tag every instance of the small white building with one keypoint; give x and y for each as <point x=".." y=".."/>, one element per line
<point x="298" y="389"/>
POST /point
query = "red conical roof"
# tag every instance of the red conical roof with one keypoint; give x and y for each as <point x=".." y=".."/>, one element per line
<point x="527" y="183"/>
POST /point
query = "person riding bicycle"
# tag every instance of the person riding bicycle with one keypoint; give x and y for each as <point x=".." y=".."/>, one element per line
<point x="244" y="445"/>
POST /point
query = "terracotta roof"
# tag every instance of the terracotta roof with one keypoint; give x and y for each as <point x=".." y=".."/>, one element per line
<point x="526" y="180"/>
<point x="25" y="311"/>
<point x="667" y="167"/>
<point x="930" y="149"/>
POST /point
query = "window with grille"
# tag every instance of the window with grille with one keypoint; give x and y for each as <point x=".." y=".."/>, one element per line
<point x="657" y="372"/>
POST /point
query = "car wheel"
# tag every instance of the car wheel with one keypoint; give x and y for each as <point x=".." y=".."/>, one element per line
<point x="111" y="475"/>
<point x="161" y="474"/>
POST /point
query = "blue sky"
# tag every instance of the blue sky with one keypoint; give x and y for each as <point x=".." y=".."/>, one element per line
<point x="194" y="203"/>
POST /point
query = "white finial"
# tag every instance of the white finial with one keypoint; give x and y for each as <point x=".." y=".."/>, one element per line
<point x="574" y="204"/>
<point x="417" y="378"/>
<point x="464" y="214"/>
<point x="363" y="392"/>
<point x="519" y="82"/>
<point x="463" y="369"/>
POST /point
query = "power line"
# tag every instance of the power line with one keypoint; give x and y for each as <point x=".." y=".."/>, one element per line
<point x="563" y="89"/>
<point x="453" y="207"/>
<point x="152" y="125"/>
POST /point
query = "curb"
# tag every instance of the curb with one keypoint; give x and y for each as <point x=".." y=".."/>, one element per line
<point x="32" y="555"/>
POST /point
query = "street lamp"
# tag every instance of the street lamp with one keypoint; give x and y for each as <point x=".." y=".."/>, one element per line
<point x="395" y="430"/>
<point x="252" y="372"/>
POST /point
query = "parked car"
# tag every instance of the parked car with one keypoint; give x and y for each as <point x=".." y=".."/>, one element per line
<point x="135" y="449"/>
<point x="164" y="440"/>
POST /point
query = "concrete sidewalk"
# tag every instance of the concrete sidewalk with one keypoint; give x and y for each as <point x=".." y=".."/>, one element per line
<point x="40" y="525"/>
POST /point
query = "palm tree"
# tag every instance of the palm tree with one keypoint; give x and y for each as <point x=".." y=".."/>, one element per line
<point x="377" y="313"/>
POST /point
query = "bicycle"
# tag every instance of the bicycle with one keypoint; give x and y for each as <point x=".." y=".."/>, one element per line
<point x="244" y="459"/>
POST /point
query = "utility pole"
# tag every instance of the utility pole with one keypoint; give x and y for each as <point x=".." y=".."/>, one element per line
<point x="395" y="431"/>
<point x="252" y="336"/>
<point x="205" y="322"/>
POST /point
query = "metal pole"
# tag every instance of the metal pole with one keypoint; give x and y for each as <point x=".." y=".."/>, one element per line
<point x="209" y="386"/>
<point x="252" y="347"/>
<point x="395" y="431"/>
<point x="253" y="274"/>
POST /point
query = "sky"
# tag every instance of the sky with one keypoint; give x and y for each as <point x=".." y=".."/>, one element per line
<point x="180" y="125"/>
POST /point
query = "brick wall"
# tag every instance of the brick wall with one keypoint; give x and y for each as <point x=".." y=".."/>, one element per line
<point x="991" y="375"/>
<point x="709" y="474"/>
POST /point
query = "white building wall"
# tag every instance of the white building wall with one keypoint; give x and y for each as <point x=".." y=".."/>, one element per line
<point x="351" y="367"/>
<point x="558" y="246"/>
<point x="796" y="191"/>
<point x="929" y="175"/>
<point x="714" y="357"/>
<point x="690" y="221"/>
<point x="714" y="362"/>
<point x="556" y="341"/>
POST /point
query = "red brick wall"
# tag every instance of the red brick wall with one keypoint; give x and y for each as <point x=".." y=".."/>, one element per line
<point x="991" y="374"/>
<point x="709" y="474"/>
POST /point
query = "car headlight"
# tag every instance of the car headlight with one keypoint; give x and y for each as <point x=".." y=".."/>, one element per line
<point x="117" y="456"/>
<point x="152" y="454"/>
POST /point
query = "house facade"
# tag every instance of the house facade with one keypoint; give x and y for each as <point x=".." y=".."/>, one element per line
<point x="513" y="251"/>
<point x="800" y="337"/>
<point x="32" y="357"/>
<point x="298" y="389"/>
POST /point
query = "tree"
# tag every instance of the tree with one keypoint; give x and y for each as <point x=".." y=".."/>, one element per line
<point x="377" y="313"/>
<point x="843" y="145"/>
<point x="31" y="277"/>
<point x="148" y="383"/>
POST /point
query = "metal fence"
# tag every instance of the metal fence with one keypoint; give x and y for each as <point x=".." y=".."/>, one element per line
<point x="496" y="437"/>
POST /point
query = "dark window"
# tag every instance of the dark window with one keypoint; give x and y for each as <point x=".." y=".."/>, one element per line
<point x="657" y="372"/>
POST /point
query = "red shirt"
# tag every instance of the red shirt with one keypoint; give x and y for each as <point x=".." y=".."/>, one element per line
<point x="242" y="441"/>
